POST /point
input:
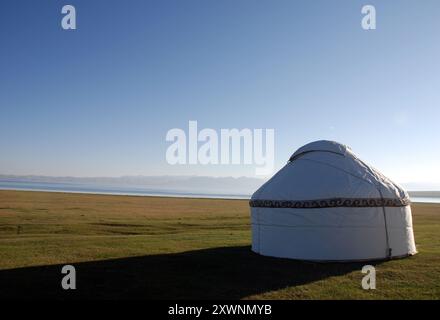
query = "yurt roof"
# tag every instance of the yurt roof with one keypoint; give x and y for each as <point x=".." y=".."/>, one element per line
<point x="329" y="170"/>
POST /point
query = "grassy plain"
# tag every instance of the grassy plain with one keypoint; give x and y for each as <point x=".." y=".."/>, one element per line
<point x="156" y="247"/>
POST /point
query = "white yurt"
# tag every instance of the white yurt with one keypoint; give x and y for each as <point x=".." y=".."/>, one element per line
<point x="326" y="204"/>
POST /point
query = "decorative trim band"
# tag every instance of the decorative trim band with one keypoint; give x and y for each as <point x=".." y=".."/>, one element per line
<point x="331" y="203"/>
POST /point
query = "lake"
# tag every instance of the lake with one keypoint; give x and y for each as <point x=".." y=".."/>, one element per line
<point x="133" y="190"/>
<point x="110" y="189"/>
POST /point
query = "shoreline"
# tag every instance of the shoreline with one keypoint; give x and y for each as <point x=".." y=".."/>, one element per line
<point x="128" y="194"/>
<point x="163" y="195"/>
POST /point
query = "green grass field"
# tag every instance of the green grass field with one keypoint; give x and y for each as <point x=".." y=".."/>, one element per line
<point x="155" y="248"/>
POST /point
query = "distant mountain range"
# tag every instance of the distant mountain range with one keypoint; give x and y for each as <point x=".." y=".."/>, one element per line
<point x="427" y="194"/>
<point x="421" y="186"/>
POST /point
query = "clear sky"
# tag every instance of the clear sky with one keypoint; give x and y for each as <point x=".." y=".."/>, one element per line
<point x="99" y="100"/>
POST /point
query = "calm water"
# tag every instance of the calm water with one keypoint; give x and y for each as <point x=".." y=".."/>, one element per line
<point x="425" y="199"/>
<point x="104" y="189"/>
<point x="131" y="190"/>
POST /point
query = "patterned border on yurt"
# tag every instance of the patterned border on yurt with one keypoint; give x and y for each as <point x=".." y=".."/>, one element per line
<point x="330" y="203"/>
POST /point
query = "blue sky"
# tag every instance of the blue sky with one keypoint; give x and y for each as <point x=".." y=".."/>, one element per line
<point x="99" y="100"/>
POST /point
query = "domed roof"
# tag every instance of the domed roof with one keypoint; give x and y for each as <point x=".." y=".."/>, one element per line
<point x="324" y="146"/>
<point x="328" y="170"/>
